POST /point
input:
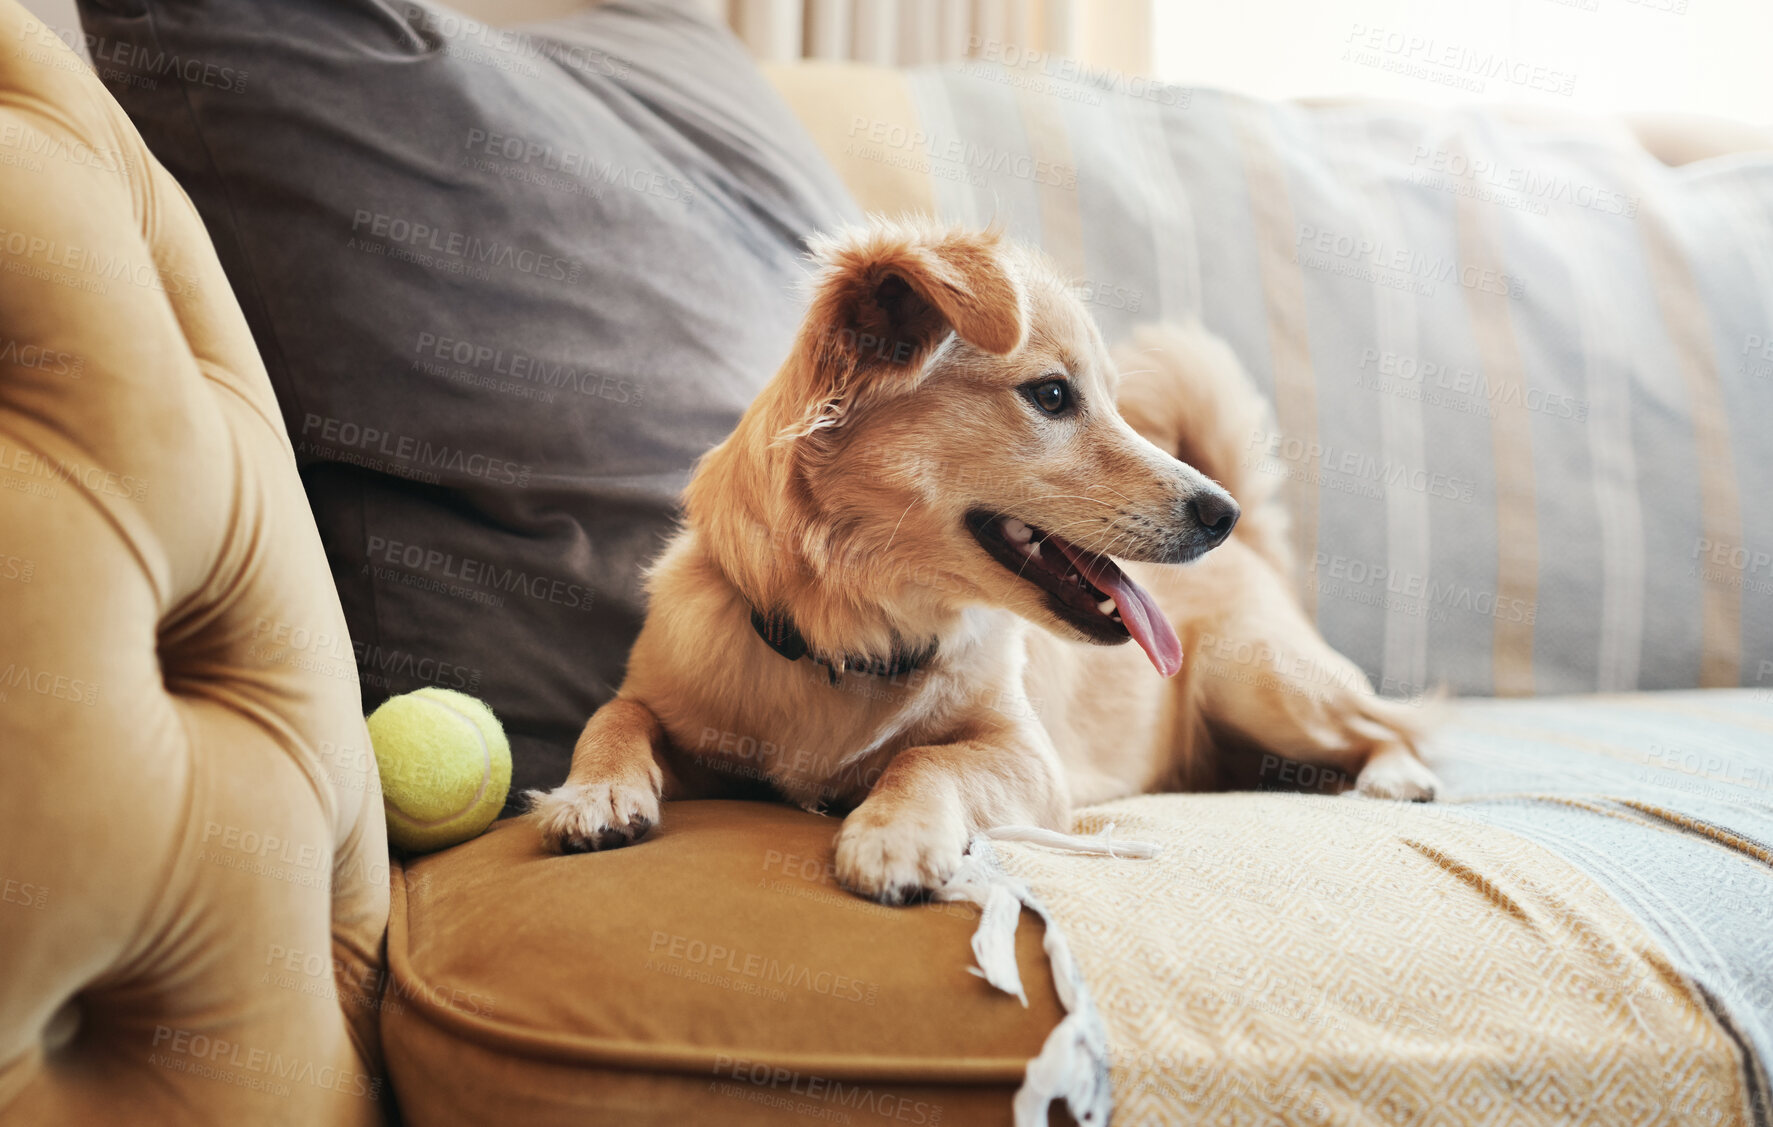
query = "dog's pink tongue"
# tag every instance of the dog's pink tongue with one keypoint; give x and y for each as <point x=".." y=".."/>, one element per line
<point x="1139" y="612"/>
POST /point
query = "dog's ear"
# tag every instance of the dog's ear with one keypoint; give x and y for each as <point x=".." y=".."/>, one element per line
<point x="891" y="293"/>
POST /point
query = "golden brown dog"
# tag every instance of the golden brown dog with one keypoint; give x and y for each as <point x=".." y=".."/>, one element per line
<point x="893" y="593"/>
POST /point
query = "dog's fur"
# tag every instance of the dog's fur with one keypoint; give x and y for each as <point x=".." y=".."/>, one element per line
<point x="841" y="502"/>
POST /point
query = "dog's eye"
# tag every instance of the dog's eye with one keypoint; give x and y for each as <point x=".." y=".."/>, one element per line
<point x="1051" y="396"/>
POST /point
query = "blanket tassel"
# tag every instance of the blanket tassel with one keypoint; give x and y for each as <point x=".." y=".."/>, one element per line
<point x="1073" y="1062"/>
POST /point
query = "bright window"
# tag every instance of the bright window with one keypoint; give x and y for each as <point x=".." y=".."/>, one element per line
<point x="1604" y="56"/>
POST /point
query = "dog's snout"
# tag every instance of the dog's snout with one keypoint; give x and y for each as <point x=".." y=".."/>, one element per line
<point x="1204" y="518"/>
<point x="1215" y="512"/>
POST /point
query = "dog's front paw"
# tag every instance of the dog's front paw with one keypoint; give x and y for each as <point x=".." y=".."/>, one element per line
<point x="1396" y="773"/>
<point x="897" y="853"/>
<point x="580" y="817"/>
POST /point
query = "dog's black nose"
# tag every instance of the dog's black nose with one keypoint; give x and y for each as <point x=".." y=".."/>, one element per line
<point x="1215" y="512"/>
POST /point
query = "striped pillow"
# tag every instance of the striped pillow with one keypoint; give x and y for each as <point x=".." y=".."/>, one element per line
<point x="1523" y="371"/>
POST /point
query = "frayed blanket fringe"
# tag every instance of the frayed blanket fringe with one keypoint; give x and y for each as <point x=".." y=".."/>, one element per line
<point x="1073" y="1063"/>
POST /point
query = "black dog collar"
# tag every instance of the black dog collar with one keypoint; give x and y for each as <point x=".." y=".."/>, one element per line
<point x="781" y="635"/>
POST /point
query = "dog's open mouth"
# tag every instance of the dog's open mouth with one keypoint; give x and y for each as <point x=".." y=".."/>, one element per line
<point x="1088" y="591"/>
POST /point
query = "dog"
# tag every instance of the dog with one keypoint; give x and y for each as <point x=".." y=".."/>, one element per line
<point x="903" y="586"/>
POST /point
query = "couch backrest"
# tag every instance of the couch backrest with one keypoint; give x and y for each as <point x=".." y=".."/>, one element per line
<point x="1522" y="369"/>
<point x="193" y="872"/>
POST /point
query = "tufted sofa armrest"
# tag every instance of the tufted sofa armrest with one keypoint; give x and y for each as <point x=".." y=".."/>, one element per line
<point x="193" y="872"/>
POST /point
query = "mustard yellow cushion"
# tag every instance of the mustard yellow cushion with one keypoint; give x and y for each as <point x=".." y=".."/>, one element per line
<point x="712" y="973"/>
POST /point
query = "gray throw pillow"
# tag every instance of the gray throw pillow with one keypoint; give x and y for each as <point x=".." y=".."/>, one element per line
<point x="509" y="285"/>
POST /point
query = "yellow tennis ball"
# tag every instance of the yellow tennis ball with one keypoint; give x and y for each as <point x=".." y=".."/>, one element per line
<point x="445" y="767"/>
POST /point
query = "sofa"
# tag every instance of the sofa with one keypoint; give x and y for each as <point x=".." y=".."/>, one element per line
<point x="1578" y="933"/>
